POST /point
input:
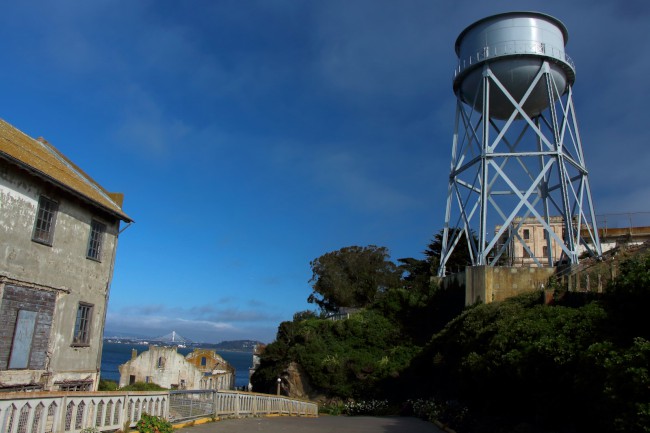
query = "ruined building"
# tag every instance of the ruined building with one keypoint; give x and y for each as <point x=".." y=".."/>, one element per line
<point x="58" y="239"/>
<point x="164" y="366"/>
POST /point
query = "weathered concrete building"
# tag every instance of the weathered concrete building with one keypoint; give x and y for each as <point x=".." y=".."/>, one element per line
<point x="58" y="232"/>
<point x="217" y="373"/>
<point x="164" y="366"/>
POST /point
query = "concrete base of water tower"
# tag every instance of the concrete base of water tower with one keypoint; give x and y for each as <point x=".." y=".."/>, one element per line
<point x="496" y="283"/>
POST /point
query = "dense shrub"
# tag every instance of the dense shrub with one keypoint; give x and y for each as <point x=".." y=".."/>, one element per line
<point x="579" y="365"/>
<point x="107" y="385"/>
<point x="142" y="386"/>
<point x="367" y="407"/>
<point x="345" y="359"/>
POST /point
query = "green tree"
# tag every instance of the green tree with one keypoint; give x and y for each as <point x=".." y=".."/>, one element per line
<point x="460" y="256"/>
<point x="416" y="274"/>
<point x="351" y="277"/>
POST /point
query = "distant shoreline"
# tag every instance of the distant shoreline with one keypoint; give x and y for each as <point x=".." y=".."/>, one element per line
<point x="213" y="346"/>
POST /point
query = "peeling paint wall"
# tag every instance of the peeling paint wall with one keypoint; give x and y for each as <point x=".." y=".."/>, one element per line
<point x="30" y="271"/>
<point x="164" y="366"/>
<point x="217" y="372"/>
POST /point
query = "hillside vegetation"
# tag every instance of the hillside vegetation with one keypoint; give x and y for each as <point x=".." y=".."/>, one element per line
<point x="578" y="364"/>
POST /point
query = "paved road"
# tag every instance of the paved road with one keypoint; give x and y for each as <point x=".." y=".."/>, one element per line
<point x="323" y="424"/>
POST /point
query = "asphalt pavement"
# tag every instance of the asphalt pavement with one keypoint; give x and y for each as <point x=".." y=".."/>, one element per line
<point x="322" y="424"/>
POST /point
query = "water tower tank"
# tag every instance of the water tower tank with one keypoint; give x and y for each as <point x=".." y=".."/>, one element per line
<point x="514" y="44"/>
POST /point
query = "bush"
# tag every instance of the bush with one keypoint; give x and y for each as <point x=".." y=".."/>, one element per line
<point x="332" y="408"/>
<point x="367" y="407"/>
<point x="448" y="412"/>
<point x="153" y="424"/>
<point x="107" y="385"/>
<point x="141" y="386"/>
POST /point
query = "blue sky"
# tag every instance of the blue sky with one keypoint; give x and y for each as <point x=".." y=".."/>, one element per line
<point x="251" y="137"/>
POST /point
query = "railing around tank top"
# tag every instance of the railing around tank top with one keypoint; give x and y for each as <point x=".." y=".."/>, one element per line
<point x="513" y="48"/>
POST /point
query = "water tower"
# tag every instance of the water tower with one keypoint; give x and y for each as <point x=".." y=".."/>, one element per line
<point x="517" y="158"/>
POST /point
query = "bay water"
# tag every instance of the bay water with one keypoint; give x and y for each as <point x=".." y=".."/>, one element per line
<point x="116" y="354"/>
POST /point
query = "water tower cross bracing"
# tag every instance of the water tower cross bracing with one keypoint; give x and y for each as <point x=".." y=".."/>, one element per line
<point x="517" y="156"/>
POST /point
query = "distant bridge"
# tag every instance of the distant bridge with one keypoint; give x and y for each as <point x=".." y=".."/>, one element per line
<point x="172" y="338"/>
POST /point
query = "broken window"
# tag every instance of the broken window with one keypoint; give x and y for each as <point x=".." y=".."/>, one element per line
<point x="23" y="336"/>
<point x="45" y="221"/>
<point x="95" y="240"/>
<point x="81" y="335"/>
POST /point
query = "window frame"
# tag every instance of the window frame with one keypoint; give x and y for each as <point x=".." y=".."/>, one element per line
<point x="526" y="234"/>
<point x="45" y="221"/>
<point x="82" y="324"/>
<point x="95" y="240"/>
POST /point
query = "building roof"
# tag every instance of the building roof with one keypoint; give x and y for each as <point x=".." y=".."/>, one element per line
<point x="42" y="159"/>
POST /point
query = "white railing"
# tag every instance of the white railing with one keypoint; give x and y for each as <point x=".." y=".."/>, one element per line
<point x="242" y="404"/>
<point x="513" y="48"/>
<point x="71" y="412"/>
<point x="57" y="412"/>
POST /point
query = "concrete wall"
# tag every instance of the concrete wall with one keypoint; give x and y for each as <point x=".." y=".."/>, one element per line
<point x="163" y="366"/>
<point x="62" y="270"/>
<point x="495" y="283"/>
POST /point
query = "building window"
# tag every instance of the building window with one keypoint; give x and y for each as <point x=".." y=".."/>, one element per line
<point x="45" y="221"/>
<point x="95" y="240"/>
<point x="526" y="234"/>
<point x="204" y="361"/>
<point x="75" y="385"/>
<point x="82" y="325"/>
<point x="545" y="251"/>
<point x="161" y="362"/>
<point x="526" y="254"/>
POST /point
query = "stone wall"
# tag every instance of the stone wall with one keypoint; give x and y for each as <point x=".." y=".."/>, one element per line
<point x="496" y="283"/>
